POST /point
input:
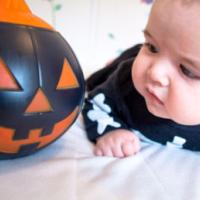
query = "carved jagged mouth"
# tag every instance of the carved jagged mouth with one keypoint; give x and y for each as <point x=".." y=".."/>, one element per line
<point x="8" y="145"/>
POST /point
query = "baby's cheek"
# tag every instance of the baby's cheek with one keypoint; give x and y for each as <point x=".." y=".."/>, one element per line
<point x="184" y="111"/>
<point x="137" y="76"/>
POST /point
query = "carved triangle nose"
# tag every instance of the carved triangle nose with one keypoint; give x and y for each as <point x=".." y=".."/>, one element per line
<point x="39" y="103"/>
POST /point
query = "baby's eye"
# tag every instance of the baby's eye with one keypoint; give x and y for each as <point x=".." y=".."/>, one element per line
<point x="151" y="47"/>
<point x="188" y="72"/>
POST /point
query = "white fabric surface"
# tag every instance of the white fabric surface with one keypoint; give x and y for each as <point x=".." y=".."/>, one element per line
<point x="68" y="170"/>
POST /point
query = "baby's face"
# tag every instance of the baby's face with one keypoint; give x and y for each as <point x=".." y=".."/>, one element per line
<point x="166" y="71"/>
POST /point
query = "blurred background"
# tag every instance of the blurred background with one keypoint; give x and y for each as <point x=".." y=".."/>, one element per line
<point x="97" y="30"/>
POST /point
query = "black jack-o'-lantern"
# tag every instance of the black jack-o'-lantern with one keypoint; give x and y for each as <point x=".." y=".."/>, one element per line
<point x="41" y="82"/>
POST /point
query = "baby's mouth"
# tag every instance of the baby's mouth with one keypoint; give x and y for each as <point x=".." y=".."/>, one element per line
<point x="153" y="97"/>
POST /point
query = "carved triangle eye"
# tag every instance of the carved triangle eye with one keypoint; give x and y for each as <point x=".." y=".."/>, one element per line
<point x="7" y="80"/>
<point x="68" y="78"/>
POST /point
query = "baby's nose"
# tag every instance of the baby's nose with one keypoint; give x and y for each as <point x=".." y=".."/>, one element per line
<point x="159" y="75"/>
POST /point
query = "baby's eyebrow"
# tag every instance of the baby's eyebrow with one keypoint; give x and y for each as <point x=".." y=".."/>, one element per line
<point x="192" y="62"/>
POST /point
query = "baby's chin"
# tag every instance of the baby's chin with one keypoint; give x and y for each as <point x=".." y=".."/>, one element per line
<point x="157" y="112"/>
<point x="187" y="122"/>
<point x="180" y="120"/>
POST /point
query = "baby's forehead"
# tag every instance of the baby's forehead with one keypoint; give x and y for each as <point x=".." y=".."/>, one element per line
<point x="186" y="8"/>
<point x="176" y="24"/>
<point x="185" y="3"/>
<point x="189" y="2"/>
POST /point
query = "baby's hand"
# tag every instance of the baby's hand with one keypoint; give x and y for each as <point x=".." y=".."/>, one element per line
<point x="118" y="143"/>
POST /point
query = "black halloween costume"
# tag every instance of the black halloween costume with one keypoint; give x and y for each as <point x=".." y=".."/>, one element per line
<point x="114" y="103"/>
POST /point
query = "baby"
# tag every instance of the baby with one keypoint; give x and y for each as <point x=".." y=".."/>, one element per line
<point x="154" y="90"/>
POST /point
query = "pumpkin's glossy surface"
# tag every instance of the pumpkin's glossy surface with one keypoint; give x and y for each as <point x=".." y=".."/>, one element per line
<point x="41" y="88"/>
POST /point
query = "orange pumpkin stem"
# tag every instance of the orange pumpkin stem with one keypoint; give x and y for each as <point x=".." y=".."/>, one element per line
<point x="18" y="12"/>
<point x="14" y="5"/>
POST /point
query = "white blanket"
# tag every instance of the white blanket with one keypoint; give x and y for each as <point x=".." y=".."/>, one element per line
<point x="68" y="170"/>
